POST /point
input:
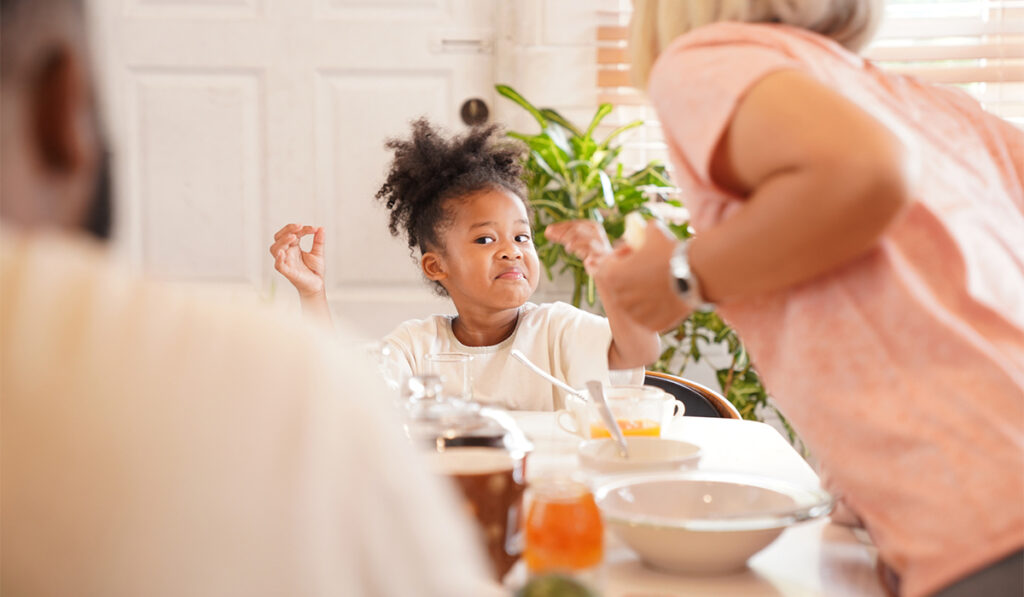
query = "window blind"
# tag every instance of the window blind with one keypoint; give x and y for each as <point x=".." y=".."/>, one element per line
<point x="977" y="45"/>
<point x="614" y="86"/>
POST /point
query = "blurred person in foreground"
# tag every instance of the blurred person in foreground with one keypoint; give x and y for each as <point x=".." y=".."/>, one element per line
<point x="157" y="444"/>
<point x="864" y="234"/>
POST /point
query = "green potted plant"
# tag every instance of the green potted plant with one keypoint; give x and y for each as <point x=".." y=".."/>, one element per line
<point x="571" y="174"/>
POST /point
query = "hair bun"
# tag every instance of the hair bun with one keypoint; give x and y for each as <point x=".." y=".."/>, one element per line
<point x="429" y="168"/>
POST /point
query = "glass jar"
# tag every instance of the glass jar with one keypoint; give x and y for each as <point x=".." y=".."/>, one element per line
<point x="564" y="531"/>
<point x="483" y="452"/>
<point x="434" y="420"/>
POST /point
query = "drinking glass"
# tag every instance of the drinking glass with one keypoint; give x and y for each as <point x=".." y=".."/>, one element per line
<point x="382" y="355"/>
<point x="453" y="369"/>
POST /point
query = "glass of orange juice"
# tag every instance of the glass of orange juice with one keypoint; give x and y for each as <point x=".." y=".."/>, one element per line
<point x="639" y="410"/>
<point x="629" y="427"/>
<point x="564" y="532"/>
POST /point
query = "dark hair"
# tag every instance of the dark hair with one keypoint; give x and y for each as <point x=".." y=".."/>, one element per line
<point x="21" y="18"/>
<point x="429" y="170"/>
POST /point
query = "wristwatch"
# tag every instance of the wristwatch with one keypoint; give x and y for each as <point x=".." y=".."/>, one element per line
<point x="685" y="282"/>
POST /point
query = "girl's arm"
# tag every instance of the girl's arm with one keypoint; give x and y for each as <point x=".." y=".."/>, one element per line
<point x="305" y="270"/>
<point x="633" y="345"/>
<point x="822" y="178"/>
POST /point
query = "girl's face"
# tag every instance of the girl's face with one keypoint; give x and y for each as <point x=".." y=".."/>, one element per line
<point x="488" y="260"/>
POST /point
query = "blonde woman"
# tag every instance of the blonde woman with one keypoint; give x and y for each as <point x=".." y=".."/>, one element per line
<point x="864" y="232"/>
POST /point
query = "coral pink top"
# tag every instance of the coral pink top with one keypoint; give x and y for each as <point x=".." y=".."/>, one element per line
<point x="903" y="370"/>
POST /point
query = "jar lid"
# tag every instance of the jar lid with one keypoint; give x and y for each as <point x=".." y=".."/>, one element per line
<point x="432" y="419"/>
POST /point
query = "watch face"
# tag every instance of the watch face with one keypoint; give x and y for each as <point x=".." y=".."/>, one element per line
<point x="683" y="284"/>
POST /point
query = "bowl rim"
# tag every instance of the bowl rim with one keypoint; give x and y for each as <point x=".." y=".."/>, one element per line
<point x="811" y="503"/>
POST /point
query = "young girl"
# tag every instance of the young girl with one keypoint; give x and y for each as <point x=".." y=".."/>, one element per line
<point x="459" y="203"/>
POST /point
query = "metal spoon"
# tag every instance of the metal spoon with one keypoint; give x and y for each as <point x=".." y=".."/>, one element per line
<point x="597" y="393"/>
<point x="554" y="380"/>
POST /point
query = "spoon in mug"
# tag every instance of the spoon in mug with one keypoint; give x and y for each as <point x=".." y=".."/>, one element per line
<point x="597" y="393"/>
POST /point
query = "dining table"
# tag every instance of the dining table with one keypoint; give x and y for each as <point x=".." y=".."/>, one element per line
<point x="815" y="558"/>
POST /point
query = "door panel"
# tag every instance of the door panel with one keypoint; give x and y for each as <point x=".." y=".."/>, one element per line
<point x="196" y="158"/>
<point x="355" y="161"/>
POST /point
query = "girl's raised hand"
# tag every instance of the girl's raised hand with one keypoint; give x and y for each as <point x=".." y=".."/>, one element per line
<point x="585" y="239"/>
<point x="304" y="269"/>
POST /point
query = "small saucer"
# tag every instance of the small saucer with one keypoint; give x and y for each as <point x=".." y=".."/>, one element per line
<point x="645" y="454"/>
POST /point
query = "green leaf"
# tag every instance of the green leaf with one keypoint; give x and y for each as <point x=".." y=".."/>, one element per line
<point x="521" y="136"/>
<point x="557" y="210"/>
<point x="681" y="231"/>
<point x="665" y="360"/>
<point x="606" y="189"/>
<point x="602" y="111"/>
<point x="586" y="149"/>
<point x="557" y="134"/>
<point x="619" y="131"/>
<point x="512" y="94"/>
<point x="545" y="167"/>
<point x="553" y="116"/>
<point x="614" y="228"/>
<point x="577" y="164"/>
<point x="549" y="256"/>
<point x="653" y="173"/>
<point x="610" y="156"/>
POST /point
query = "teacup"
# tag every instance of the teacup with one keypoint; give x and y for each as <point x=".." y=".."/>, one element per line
<point x="639" y="410"/>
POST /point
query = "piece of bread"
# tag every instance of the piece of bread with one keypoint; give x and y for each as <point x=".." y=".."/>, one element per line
<point x="636" y="229"/>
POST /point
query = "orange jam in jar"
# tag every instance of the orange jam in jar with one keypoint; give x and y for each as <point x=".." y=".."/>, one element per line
<point x="564" y="532"/>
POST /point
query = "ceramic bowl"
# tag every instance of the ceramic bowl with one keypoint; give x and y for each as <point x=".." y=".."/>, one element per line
<point x="704" y="522"/>
<point x="646" y="454"/>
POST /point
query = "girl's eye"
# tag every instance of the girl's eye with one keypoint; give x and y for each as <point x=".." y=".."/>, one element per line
<point x="484" y="240"/>
<point x="522" y="238"/>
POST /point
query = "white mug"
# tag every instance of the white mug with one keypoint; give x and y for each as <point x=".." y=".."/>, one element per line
<point x="636" y="404"/>
<point x="574" y="418"/>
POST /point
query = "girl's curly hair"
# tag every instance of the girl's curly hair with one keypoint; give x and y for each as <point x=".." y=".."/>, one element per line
<point x="430" y="169"/>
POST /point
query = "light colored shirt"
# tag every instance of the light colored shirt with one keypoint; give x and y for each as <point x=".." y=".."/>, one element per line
<point x="567" y="342"/>
<point x="163" y="444"/>
<point x="904" y="370"/>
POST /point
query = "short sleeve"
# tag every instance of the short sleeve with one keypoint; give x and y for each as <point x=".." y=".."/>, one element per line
<point x="408" y="344"/>
<point x="396" y="358"/>
<point x="701" y="78"/>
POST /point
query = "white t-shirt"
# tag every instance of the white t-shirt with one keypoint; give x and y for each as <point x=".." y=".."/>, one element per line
<point x="157" y="444"/>
<point x="567" y="342"/>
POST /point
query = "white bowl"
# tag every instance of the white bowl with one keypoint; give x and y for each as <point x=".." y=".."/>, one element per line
<point x="704" y="522"/>
<point x="646" y="454"/>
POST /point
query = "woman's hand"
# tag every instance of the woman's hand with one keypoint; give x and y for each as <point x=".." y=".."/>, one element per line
<point x="640" y="283"/>
<point x="585" y="239"/>
<point x="304" y="269"/>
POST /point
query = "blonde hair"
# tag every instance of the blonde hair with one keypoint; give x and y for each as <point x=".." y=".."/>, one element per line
<point x="656" y="23"/>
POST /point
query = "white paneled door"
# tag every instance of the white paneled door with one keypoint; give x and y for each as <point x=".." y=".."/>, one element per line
<point x="234" y="117"/>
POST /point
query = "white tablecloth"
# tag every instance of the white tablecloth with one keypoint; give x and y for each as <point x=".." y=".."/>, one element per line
<point x="812" y="559"/>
